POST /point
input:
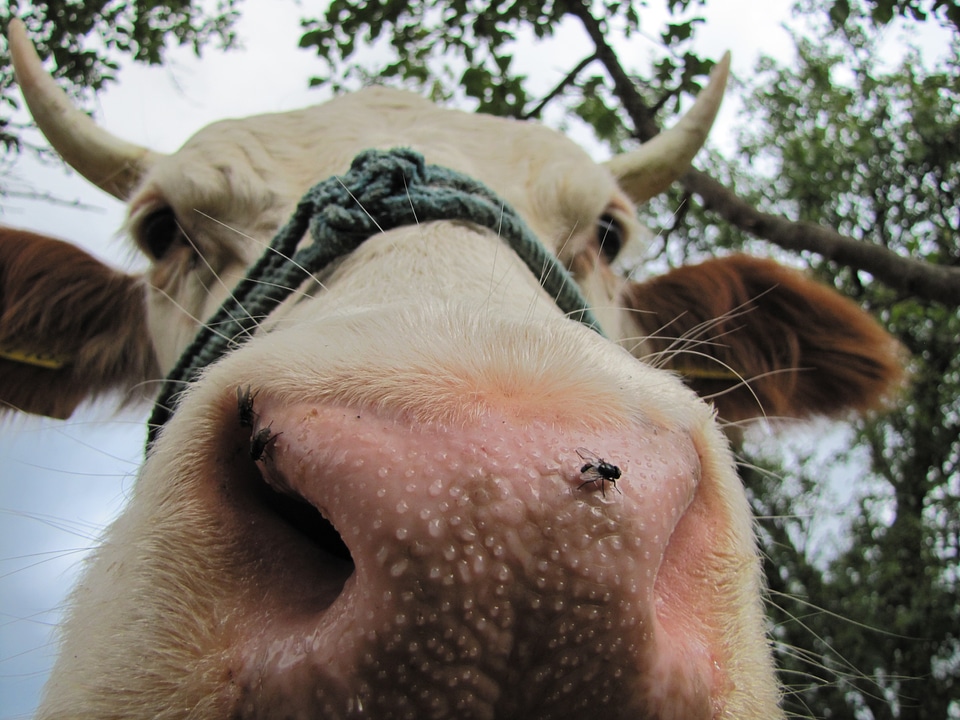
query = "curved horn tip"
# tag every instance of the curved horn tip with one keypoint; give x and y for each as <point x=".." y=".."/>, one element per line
<point x="21" y="50"/>
<point x="651" y="168"/>
<point x="16" y="31"/>
<point x="701" y="115"/>
<point x="110" y="163"/>
<point x="16" y="28"/>
<point x="722" y="67"/>
<point x="27" y="65"/>
<point x="717" y="82"/>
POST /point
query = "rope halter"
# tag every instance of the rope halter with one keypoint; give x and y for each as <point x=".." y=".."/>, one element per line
<point x="383" y="190"/>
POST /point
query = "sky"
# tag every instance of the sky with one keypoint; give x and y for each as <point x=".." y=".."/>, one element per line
<point x="62" y="482"/>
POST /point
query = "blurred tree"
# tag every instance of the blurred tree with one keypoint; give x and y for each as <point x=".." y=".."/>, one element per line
<point x="87" y="39"/>
<point x="881" y="12"/>
<point x="879" y="148"/>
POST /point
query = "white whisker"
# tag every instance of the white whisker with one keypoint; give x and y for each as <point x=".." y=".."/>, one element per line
<point x="187" y="313"/>
<point x="360" y="205"/>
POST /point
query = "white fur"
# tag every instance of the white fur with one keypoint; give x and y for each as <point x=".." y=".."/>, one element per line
<point x="432" y="322"/>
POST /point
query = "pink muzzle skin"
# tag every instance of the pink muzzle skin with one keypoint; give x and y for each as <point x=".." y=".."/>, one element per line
<point x="486" y="576"/>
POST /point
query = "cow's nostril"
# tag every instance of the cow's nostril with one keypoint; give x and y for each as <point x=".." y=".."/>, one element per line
<point x="306" y="520"/>
<point x="295" y="511"/>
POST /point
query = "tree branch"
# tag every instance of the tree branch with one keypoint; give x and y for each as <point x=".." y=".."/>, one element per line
<point x="561" y="86"/>
<point x="906" y="275"/>
<point x="642" y="117"/>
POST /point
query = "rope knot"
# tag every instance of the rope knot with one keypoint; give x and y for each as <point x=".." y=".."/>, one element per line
<point x="378" y="176"/>
<point x="378" y="173"/>
<point x="377" y="192"/>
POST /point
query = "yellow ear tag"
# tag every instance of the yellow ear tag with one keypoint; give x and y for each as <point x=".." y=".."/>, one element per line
<point x="704" y="374"/>
<point x="19" y="355"/>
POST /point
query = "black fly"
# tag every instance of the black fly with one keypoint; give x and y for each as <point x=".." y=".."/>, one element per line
<point x="245" y="407"/>
<point x="260" y="440"/>
<point x="597" y="470"/>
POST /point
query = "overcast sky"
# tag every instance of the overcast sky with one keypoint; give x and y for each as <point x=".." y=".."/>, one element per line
<point x="61" y="482"/>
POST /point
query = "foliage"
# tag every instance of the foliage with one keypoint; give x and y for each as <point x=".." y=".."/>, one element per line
<point x="882" y="12"/>
<point x="879" y="151"/>
<point x="466" y="49"/>
<point x="86" y="39"/>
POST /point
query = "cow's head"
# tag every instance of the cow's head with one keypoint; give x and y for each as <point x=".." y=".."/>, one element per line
<point x="420" y="490"/>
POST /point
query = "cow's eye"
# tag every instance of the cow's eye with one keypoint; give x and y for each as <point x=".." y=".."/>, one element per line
<point x="610" y="236"/>
<point x="159" y="231"/>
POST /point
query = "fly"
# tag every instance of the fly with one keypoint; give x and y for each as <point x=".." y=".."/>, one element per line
<point x="260" y="440"/>
<point x="597" y="470"/>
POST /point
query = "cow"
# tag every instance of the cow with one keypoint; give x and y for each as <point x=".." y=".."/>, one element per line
<point x="417" y="486"/>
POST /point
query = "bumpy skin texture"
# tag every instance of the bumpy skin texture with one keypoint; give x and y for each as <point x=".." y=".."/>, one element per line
<point x="425" y="399"/>
<point x="470" y="569"/>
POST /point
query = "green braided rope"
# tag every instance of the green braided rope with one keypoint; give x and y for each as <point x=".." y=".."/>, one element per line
<point x="383" y="190"/>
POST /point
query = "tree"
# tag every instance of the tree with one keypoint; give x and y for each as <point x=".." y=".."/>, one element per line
<point x="881" y="152"/>
<point x="86" y="39"/>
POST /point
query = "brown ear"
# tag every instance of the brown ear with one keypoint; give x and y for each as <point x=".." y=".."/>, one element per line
<point x="759" y="339"/>
<point x="70" y="327"/>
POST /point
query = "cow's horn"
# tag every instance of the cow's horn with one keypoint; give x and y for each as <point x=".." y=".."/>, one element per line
<point x="655" y="165"/>
<point x="104" y="159"/>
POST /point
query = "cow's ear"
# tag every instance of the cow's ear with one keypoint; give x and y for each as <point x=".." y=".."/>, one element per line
<point x="71" y="328"/>
<point x="759" y="339"/>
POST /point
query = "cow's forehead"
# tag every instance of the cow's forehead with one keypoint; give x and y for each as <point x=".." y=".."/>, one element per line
<point x="241" y="170"/>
